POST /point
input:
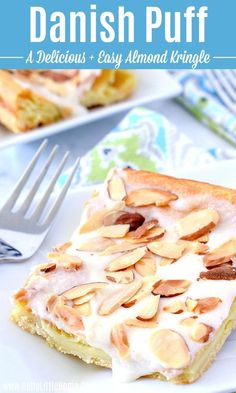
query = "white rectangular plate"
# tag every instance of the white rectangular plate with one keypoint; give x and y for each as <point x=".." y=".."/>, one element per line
<point x="151" y="85"/>
<point x="28" y="359"/>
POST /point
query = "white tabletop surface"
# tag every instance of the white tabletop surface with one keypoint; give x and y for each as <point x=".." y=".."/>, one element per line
<point x="14" y="159"/>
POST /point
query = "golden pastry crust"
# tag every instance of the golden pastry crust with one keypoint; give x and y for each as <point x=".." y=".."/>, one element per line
<point x="110" y="87"/>
<point x="178" y="186"/>
<point x="69" y="344"/>
<point x="22" y="110"/>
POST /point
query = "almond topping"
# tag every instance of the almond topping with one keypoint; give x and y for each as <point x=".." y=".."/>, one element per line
<point x="201" y="306"/>
<point x="140" y="324"/>
<point x="122" y="247"/>
<point x="151" y="235"/>
<point x="52" y="300"/>
<point x="62" y="257"/>
<point x="167" y="250"/>
<point x="95" y="220"/>
<point x="145" y="290"/>
<point x="83" y="299"/>
<point x="120" y="340"/>
<point x="83" y="309"/>
<point x="170" y="349"/>
<point x="166" y="261"/>
<point x="68" y="315"/>
<point x="119" y="297"/>
<point x="96" y="244"/>
<point x="219" y="273"/>
<point x="116" y="188"/>
<point x="203" y="239"/>
<point x="200" y="332"/>
<point x="143" y="229"/>
<point x="151" y="308"/>
<point x="62" y="247"/>
<point x="168" y="288"/>
<point x="82" y="290"/>
<point x="147" y="196"/>
<point x="175" y="308"/>
<point x="135" y="220"/>
<point x="197" y="223"/>
<point x="126" y="260"/>
<point x="114" y="231"/>
<point x="195" y="247"/>
<point x="222" y="254"/>
<point x="146" y="266"/>
<point x="47" y="267"/>
<point x="121" y="277"/>
<point x="70" y="265"/>
<point x="21" y="294"/>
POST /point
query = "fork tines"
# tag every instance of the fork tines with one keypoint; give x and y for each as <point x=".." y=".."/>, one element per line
<point x="36" y="216"/>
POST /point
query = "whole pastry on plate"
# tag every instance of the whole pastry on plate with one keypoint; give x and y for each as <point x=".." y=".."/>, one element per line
<point x="33" y="98"/>
<point x="146" y="285"/>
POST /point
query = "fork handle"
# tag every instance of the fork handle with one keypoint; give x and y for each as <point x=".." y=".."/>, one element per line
<point x="7" y="251"/>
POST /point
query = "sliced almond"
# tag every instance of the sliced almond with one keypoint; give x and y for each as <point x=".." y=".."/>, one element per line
<point x="126" y="260"/>
<point x="120" y="340"/>
<point x="140" y="324"/>
<point x="121" y="277"/>
<point x="20" y="295"/>
<point x="201" y="306"/>
<point x="82" y="290"/>
<point x="119" y="297"/>
<point x="114" y="231"/>
<point x="197" y="223"/>
<point x="47" y="267"/>
<point x="219" y="273"/>
<point x="151" y="235"/>
<point x="69" y="316"/>
<point x="222" y="254"/>
<point x="83" y="299"/>
<point x="62" y="247"/>
<point x="147" y="196"/>
<point x="143" y="291"/>
<point x="135" y="220"/>
<point x="195" y="247"/>
<point x="170" y="349"/>
<point x="95" y="220"/>
<point x="166" y="261"/>
<point x="150" y="310"/>
<point x="83" y="309"/>
<point x="188" y="322"/>
<point x="203" y="239"/>
<point x="116" y="188"/>
<point x="168" y="288"/>
<point x="146" y="266"/>
<point x="143" y="229"/>
<point x="167" y="250"/>
<point x="96" y="244"/>
<point x="200" y="332"/>
<point x="175" y="308"/>
<point x="70" y="265"/>
<point x="51" y="302"/>
<point x="122" y="247"/>
<point x="64" y="258"/>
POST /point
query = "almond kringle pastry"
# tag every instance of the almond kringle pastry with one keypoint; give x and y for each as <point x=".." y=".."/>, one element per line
<point x="146" y="285"/>
<point x="32" y="98"/>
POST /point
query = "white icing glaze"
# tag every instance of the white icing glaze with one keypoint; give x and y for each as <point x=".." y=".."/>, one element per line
<point x="141" y="360"/>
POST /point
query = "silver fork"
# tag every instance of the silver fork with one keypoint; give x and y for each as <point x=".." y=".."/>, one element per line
<point x="21" y="236"/>
<point x="224" y="84"/>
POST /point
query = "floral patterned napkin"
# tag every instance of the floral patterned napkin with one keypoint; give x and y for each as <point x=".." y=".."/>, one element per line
<point x="201" y="99"/>
<point x="144" y="140"/>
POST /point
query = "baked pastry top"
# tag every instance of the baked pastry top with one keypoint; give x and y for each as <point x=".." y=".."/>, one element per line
<point x="146" y="283"/>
